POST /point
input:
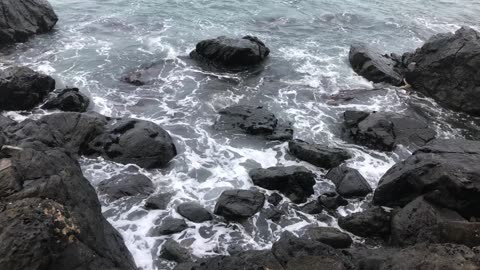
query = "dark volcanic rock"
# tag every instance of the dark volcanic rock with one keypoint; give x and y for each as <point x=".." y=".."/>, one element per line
<point x="312" y="208"/>
<point x="373" y="222"/>
<point x="447" y="68"/>
<point x="295" y="253"/>
<point x="169" y="226"/>
<point x="231" y="53"/>
<point x="446" y="171"/>
<point x="384" y="130"/>
<point x="239" y="204"/>
<point x="22" y="88"/>
<point x="194" y="212"/>
<point x="421" y="221"/>
<point x="149" y="73"/>
<point x="318" y="155"/>
<point x="373" y="66"/>
<point x="349" y="182"/>
<point x="126" y="185"/>
<point x="135" y="141"/>
<point x="68" y="232"/>
<point x="254" y="121"/>
<point x="275" y="199"/>
<point x="332" y="200"/>
<point x="125" y="141"/>
<point x="246" y="260"/>
<point x="173" y="251"/>
<point x="68" y="100"/>
<point x="158" y="201"/>
<point x="295" y="182"/>
<point x="422" y="256"/>
<point x="23" y="19"/>
<point x="330" y="236"/>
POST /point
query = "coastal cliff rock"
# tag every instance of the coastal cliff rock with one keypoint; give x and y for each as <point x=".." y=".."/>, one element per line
<point x="50" y="217"/>
<point x="22" y="19"/>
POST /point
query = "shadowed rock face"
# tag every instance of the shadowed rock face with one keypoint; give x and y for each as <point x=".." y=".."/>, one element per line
<point x="385" y="130"/>
<point x="447" y="68"/>
<point x="349" y="182"/>
<point x="233" y="54"/>
<point x="22" y="88"/>
<point x="295" y="182"/>
<point x="67" y="100"/>
<point x="22" y="19"/>
<point x="445" y="171"/>
<point x="373" y="66"/>
<point x="50" y="216"/>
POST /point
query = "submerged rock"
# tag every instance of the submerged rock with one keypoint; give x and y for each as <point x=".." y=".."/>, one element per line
<point x="373" y="222"/>
<point x="373" y="66"/>
<point x="239" y="204"/>
<point x="446" y="68"/>
<point x="421" y="221"/>
<point x="68" y="100"/>
<point x="50" y="216"/>
<point x="194" y="212"/>
<point x="231" y="53"/>
<point x="384" y="130"/>
<point x="349" y="182"/>
<point x="22" y="88"/>
<point x="23" y="19"/>
<point x="295" y="182"/>
<point x="254" y="121"/>
<point x="445" y="171"/>
<point x="330" y="236"/>
<point x="126" y="185"/>
<point x="318" y="155"/>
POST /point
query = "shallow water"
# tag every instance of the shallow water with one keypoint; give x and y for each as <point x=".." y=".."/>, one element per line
<point x="95" y="42"/>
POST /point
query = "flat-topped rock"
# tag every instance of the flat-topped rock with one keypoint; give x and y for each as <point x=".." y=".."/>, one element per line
<point x="317" y="154"/>
<point x="239" y="204"/>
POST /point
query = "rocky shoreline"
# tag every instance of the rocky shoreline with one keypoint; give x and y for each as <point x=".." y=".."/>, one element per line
<point x="424" y="213"/>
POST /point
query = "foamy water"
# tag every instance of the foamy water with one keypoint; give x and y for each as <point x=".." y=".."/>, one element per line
<point x="95" y="42"/>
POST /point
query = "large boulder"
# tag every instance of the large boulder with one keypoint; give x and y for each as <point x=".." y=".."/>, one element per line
<point x="295" y="182"/>
<point x="385" y="130"/>
<point x="349" y="182"/>
<point x="231" y="53"/>
<point x="447" y="68"/>
<point x="445" y="171"/>
<point x="421" y="221"/>
<point x="22" y="19"/>
<point x="372" y="222"/>
<point x="194" y="212"/>
<point x="125" y="185"/>
<point x="254" y="121"/>
<point x="318" y="155"/>
<point x="124" y="141"/>
<point x="50" y="216"/>
<point x="239" y="204"/>
<point x="374" y="66"/>
<point x="68" y="100"/>
<point x="295" y="253"/>
<point x="21" y="88"/>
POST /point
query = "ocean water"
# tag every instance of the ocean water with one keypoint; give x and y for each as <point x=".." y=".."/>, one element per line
<point x="96" y="41"/>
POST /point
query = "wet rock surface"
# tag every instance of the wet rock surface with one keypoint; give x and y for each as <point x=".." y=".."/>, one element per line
<point x="349" y="182"/>
<point x="23" y="19"/>
<point x="126" y="185"/>
<point x="254" y="121"/>
<point x="67" y="100"/>
<point x="169" y="226"/>
<point x="295" y="182"/>
<point x="445" y="171"/>
<point x="173" y="251"/>
<point x="194" y="212"/>
<point x="21" y="88"/>
<point x="239" y="204"/>
<point x="232" y="54"/>
<point x="330" y="236"/>
<point x="384" y="130"/>
<point x="318" y="155"/>
<point x="373" y="222"/>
